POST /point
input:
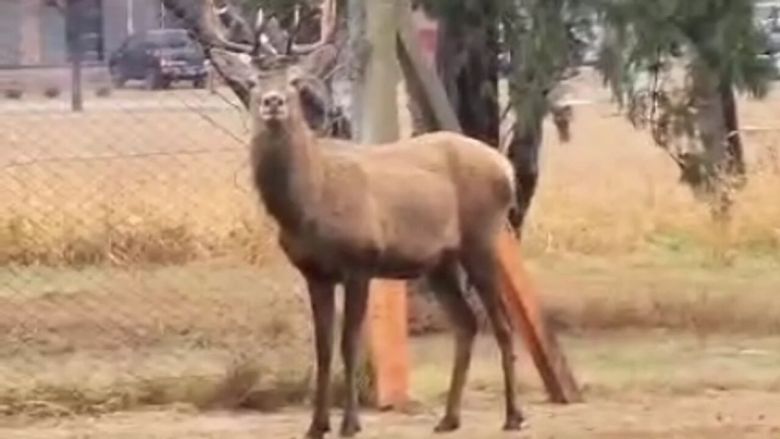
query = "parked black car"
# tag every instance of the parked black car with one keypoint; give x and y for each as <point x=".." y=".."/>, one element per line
<point x="158" y="57"/>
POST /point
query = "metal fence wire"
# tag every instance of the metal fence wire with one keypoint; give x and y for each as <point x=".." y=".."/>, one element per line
<point x="135" y="262"/>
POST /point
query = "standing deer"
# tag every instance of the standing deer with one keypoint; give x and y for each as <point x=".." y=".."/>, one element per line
<point x="431" y="206"/>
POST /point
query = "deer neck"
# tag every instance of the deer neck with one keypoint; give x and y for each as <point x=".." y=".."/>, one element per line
<point x="287" y="172"/>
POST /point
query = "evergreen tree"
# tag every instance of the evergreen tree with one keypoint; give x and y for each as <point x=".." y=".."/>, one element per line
<point x="676" y="66"/>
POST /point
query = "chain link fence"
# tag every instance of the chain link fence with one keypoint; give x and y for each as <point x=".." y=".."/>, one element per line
<point x="136" y="266"/>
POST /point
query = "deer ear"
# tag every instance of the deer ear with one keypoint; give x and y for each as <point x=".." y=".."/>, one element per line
<point x="237" y="68"/>
<point x="314" y="99"/>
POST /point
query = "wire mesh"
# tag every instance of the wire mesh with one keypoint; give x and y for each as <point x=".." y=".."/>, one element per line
<point x="135" y="264"/>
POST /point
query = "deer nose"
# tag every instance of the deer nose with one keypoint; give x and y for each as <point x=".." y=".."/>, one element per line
<point x="272" y="100"/>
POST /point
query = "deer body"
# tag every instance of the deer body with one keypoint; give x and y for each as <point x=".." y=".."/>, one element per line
<point x="390" y="211"/>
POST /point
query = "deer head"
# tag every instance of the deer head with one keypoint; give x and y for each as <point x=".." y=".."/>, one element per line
<point x="252" y="68"/>
<point x="279" y="89"/>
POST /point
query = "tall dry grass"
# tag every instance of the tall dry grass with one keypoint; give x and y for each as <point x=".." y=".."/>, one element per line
<point x="126" y="188"/>
<point x="611" y="191"/>
<point x="171" y="186"/>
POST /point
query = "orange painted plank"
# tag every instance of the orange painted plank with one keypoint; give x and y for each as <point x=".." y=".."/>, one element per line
<point x="521" y="299"/>
<point x="388" y="338"/>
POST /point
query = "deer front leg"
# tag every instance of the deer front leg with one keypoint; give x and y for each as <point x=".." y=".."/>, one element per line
<point x="321" y="297"/>
<point x="355" y="304"/>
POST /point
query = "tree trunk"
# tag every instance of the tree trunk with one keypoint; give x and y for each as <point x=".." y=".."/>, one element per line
<point x="467" y="63"/>
<point x="734" y="152"/>
<point x="718" y="169"/>
<point x="523" y="152"/>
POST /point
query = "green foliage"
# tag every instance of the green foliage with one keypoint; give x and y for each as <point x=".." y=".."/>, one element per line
<point x="676" y="65"/>
<point x="542" y="39"/>
<point x="720" y="34"/>
<point x="540" y="36"/>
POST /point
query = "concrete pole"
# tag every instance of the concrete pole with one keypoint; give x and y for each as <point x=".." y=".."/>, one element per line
<point x="375" y="118"/>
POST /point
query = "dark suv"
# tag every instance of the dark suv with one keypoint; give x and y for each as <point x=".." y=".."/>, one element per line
<point x="158" y="57"/>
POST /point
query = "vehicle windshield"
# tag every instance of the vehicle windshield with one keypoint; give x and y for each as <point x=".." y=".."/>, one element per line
<point x="170" y="38"/>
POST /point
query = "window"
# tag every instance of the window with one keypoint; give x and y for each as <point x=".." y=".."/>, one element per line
<point x="174" y="38"/>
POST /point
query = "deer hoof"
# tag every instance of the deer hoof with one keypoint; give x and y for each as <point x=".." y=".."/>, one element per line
<point x="447" y="424"/>
<point x="318" y="430"/>
<point x="514" y="422"/>
<point x="350" y="427"/>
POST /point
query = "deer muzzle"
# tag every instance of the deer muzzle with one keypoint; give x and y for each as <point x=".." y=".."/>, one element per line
<point x="273" y="106"/>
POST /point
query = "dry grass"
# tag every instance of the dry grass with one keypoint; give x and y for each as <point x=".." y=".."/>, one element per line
<point x="105" y="340"/>
<point x="612" y="192"/>
<point x="137" y="268"/>
<point x="664" y="291"/>
<point x="166" y="187"/>
<point x="213" y="336"/>
<point x="614" y="365"/>
<point x="72" y="197"/>
<point x="126" y="188"/>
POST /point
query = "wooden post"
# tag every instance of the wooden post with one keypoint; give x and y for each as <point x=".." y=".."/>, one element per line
<point x="388" y="341"/>
<point x="376" y="102"/>
<point x="516" y="288"/>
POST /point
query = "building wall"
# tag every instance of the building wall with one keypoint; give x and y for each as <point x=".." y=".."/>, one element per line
<point x="54" y="50"/>
<point x="32" y="34"/>
<point x="146" y="14"/>
<point x="10" y="32"/>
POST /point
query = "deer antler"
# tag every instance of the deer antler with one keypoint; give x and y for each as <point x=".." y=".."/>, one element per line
<point x="220" y="28"/>
<point x="209" y="19"/>
<point x="327" y="30"/>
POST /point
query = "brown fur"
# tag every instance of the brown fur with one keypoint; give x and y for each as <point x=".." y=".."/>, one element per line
<point x="428" y="206"/>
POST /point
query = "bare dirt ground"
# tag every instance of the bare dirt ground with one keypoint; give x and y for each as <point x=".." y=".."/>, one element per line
<point x="640" y="385"/>
<point x="716" y="416"/>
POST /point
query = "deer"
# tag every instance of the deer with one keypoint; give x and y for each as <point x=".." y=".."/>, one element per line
<point x="429" y="207"/>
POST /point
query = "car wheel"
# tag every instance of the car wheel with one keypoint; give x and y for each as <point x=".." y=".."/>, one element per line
<point x="117" y="78"/>
<point x="153" y="80"/>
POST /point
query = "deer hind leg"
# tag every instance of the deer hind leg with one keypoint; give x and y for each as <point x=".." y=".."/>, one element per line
<point x="321" y="295"/>
<point x="481" y="266"/>
<point x="446" y="286"/>
<point x="355" y="304"/>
